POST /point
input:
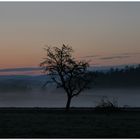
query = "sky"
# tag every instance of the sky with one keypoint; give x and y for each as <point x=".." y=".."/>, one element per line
<point x="106" y="33"/>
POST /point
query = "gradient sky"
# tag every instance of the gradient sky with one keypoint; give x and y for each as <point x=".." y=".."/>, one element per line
<point x="106" y="33"/>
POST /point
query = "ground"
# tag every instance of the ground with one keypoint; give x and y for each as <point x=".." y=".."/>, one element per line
<point x="77" y="123"/>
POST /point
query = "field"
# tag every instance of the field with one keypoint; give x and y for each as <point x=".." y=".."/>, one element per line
<point x="77" y="123"/>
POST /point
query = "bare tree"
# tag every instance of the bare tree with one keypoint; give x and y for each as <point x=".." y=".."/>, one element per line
<point x="65" y="71"/>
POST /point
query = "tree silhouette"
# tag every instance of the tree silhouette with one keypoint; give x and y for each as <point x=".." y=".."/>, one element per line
<point x="129" y="76"/>
<point x="66" y="72"/>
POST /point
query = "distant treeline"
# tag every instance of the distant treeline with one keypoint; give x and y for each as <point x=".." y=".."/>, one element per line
<point x="126" y="77"/>
<point x="113" y="78"/>
<point x="20" y="83"/>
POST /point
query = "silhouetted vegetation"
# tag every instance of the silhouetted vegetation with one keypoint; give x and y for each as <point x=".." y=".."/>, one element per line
<point x="14" y="84"/>
<point x="66" y="72"/>
<point x="126" y="77"/>
<point x="107" y="105"/>
<point x="19" y="83"/>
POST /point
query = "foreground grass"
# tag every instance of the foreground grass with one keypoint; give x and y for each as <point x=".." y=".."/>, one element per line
<point x="53" y="123"/>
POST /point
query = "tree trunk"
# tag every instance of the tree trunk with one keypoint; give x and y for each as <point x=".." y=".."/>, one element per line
<point x="68" y="103"/>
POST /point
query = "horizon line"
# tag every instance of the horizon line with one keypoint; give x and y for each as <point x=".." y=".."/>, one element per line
<point x="35" y="69"/>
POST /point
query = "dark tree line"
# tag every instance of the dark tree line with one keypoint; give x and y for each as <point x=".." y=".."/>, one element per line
<point x="128" y="76"/>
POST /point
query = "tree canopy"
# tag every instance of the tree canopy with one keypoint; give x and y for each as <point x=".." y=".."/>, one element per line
<point x="66" y="71"/>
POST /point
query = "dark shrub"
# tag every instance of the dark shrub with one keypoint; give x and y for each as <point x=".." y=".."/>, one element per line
<point x="107" y="105"/>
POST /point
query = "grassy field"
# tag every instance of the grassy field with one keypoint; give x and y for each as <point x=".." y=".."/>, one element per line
<point x="56" y="123"/>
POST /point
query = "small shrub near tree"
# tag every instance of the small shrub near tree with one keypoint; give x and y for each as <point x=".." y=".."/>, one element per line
<point x="107" y="105"/>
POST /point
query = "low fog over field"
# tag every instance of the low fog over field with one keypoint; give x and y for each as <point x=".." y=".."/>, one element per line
<point x="57" y="98"/>
<point x="119" y="86"/>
